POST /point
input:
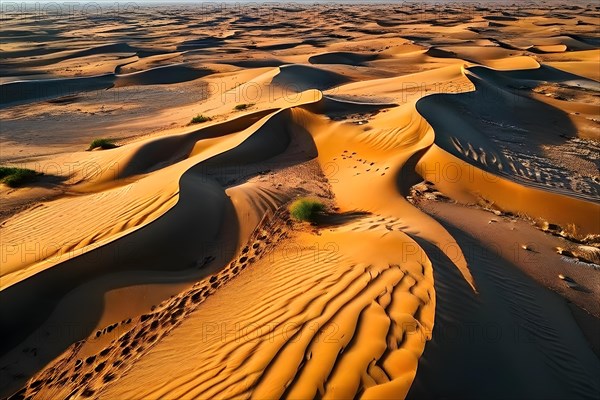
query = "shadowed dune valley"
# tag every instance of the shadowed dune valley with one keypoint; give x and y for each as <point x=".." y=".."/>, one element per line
<point x="303" y="200"/>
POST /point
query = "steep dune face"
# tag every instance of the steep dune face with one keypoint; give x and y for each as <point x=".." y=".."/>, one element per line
<point x="34" y="281"/>
<point x="177" y="260"/>
<point x="510" y="316"/>
<point x="462" y="181"/>
<point x="504" y="130"/>
<point x="259" y="141"/>
<point x="373" y="160"/>
<point x="318" y="319"/>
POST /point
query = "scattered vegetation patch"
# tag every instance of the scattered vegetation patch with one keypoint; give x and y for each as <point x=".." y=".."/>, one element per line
<point x="102" y="143"/>
<point x="306" y="209"/>
<point x="198" y="119"/>
<point x="15" y="177"/>
<point x="244" y="106"/>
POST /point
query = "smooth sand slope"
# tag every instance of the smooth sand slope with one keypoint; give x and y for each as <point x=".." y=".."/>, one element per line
<point x="169" y="267"/>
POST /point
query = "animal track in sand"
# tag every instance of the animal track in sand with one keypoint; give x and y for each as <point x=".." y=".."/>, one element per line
<point x="86" y="377"/>
<point x="361" y="161"/>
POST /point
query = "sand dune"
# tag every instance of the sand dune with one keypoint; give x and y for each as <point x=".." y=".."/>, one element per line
<point x="347" y="298"/>
<point x="485" y="142"/>
<point x="531" y="313"/>
<point x="455" y="151"/>
<point x="342" y="58"/>
<point x="25" y="91"/>
<point x="300" y="78"/>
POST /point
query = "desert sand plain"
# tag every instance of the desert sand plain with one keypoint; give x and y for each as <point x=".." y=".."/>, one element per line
<point x="454" y="146"/>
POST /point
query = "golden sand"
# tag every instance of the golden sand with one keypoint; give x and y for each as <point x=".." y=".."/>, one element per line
<point x="169" y="267"/>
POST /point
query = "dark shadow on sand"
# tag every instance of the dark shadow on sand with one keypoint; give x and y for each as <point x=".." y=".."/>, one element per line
<point x="514" y="339"/>
<point x="334" y="219"/>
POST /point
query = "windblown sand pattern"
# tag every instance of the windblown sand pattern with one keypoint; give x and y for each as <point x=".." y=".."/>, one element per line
<point x="455" y="147"/>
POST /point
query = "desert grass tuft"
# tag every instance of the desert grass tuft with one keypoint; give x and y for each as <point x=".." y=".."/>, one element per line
<point x="306" y="209"/>
<point x="15" y="177"/>
<point x="244" y="106"/>
<point x="198" y="119"/>
<point x="102" y="143"/>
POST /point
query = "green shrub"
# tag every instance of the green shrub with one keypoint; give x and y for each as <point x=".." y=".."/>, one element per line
<point x="14" y="177"/>
<point x="306" y="209"/>
<point x="103" y="143"/>
<point x="198" y="119"/>
<point x="242" y="107"/>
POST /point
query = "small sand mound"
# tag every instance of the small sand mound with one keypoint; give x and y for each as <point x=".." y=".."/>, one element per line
<point x="298" y="78"/>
